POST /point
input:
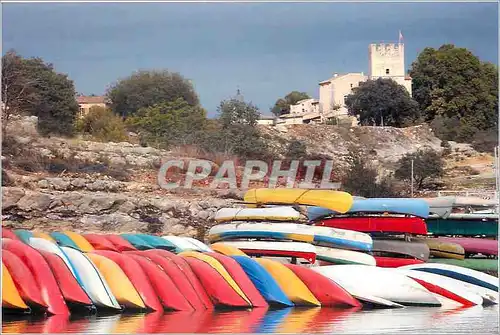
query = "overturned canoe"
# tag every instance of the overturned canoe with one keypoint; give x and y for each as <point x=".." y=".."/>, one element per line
<point x="7" y="233"/>
<point x="64" y="240"/>
<point x="444" y="249"/>
<point x="23" y="234"/>
<point x="395" y="262"/>
<point x="200" y="244"/>
<point x="45" y="236"/>
<point x="227" y="249"/>
<point x="479" y="264"/>
<point x="459" y="224"/>
<point x="10" y="295"/>
<point x="120" y="243"/>
<point x="334" y="200"/>
<point x="182" y="244"/>
<point x="157" y="242"/>
<point x="341" y="256"/>
<point x="440" y="206"/>
<point x="281" y="213"/>
<point x="100" y="242"/>
<point x="474" y="245"/>
<point x="418" y="250"/>
<point x="378" y="224"/>
<point x="79" y="240"/>
<point x="137" y="241"/>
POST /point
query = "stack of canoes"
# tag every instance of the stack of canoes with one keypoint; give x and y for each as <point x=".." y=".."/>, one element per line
<point x="464" y="232"/>
<point x="65" y="272"/>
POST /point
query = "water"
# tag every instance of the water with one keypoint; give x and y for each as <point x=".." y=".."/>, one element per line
<point x="293" y="320"/>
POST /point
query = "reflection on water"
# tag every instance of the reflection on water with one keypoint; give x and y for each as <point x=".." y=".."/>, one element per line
<point x="290" y="320"/>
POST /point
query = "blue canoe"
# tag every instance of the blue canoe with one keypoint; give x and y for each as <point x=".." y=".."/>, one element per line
<point x="24" y="235"/>
<point x="64" y="240"/>
<point x="138" y="242"/>
<point x="157" y="242"/>
<point x="415" y="207"/>
<point x="263" y="281"/>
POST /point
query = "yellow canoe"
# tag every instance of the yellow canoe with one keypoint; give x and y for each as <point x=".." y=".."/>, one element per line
<point x="219" y="268"/>
<point x="10" y="295"/>
<point x="227" y="250"/>
<point x="45" y="236"/>
<point x="334" y="200"/>
<point x="440" y="249"/>
<point x="121" y="287"/>
<point x="80" y="241"/>
<point x="293" y="287"/>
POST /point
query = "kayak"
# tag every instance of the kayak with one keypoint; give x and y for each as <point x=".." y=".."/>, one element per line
<point x="418" y="250"/>
<point x="290" y="231"/>
<point x="23" y="280"/>
<point x="341" y="256"/>
<point x="178" y="277"/>
<point x="473" y="245"/>
<point x="100" y="242"/>
<point x="119" y="242"/>
<point x="23" y="234"/>
<point x="50" y="292"/>
<point x="80" y="241"/>
<point x="93" y="281"/>
<point x="181" y="244"/>
<point x="201" y="245"/>
<point x="137" y="276"/>
<point x="7" y="233"/>
<point x="157" y="242"/>
<point x="10" y="295"/>
<point x="293" y="287"/>
<point x="64" y="240"/>
<point x="362" y="280"/>
<point x="170" y="296"/>
<point x="281" y="213"/>
<point x="295" y="250"/>
<point x="394" y="262"/>
<point x="241" y="279"/>
<point x="328" y="293"/>
<point x="337" y="201"/>
<point x="378" y="224"/>
<point x="441" y="249"/>
<point x="74" y="294"/>
<point x="138" y="242"/>
<point x="414" y="207"/>
<point x="479" y="264"/>
<point x="447" y="287"/>
<point x="219" y="268"/>
<point x="45" y="236"/>
<point x="217" y="288"/>
<point x="227" y="249"/>
<point x="263" y="281"/>
<point x="121" y="287"/>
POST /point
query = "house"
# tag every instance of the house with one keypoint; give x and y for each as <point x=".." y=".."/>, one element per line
<point x="334" y="91"/>
<point x="87" y="102"/>
<point x="305" y="106"/>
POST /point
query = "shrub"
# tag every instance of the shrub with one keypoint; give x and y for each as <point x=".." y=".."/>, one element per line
<point x="103" y="125"/>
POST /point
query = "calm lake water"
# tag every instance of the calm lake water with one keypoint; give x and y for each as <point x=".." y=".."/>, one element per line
<point x="292" y="320"/>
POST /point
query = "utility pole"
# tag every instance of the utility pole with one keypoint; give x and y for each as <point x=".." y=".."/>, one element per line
<point x="412" y="178"/>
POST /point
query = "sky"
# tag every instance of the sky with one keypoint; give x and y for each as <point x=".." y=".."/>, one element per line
<point x="266" y="50"/>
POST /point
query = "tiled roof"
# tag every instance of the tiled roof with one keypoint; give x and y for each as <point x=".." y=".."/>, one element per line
<point x="91" y="100"/>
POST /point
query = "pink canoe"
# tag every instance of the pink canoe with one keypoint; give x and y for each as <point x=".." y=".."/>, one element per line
<point x="473" y="245"/>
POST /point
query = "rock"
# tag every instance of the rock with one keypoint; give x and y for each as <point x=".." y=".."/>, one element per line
<point x="59" y="184"/>
<point x="203" y="215"/>
<point x="43" y="183"/>
<point x="34" y="201"/>
<point x="10" y="196"/>
<point x="79" y="182"/>
<point x="118" y="161"/>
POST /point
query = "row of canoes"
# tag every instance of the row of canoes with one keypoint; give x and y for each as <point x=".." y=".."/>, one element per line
<point x="43" y="275"/>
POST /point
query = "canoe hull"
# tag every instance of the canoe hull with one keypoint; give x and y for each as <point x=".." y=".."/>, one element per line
<point x="380" y="224"/>
<point x="417" y="250"/>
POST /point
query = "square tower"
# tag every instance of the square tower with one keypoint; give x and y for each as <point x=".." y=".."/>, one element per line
<point x="387" y="60"/>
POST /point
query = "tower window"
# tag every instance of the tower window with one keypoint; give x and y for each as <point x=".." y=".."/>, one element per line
<point x="351" y="85"/>
<point x="386" y="71"/>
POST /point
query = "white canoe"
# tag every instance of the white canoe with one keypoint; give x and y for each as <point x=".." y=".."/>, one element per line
<point x="440" y="206"/>
<point x="367" y="280"/>
<point x="279" y="213"/>
<point x="94" y="283"/>
<point x="342" y="256"/>
<point x="45" y="245"/>
<point x="201" y="245"/>
<point x="339" y="238"/>
<point x="181" y="243"/>
<point x="458" y="291"/>
<point x="302" y="251"/>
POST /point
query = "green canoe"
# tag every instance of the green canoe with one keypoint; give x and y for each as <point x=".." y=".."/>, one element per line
<point x="462" y="227"/>
<point x="479" y="264"/>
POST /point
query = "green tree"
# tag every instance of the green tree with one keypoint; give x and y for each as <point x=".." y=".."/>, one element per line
<point x="427" y="164"/>
<point x="31" y="86"/>
<point x="234" y="111"/>
<point x="145" y="89"/>
<point x="103" y="125"/>
<point x="168" y="123"/>
<point x="282" y="105"/>
<point x="452" y="84"/>
<point x="361" y="179"/>
<point x="384" y="100"/>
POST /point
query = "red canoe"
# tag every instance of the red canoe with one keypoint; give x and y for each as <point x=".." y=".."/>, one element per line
<point x="325" y="290"/>
<point x="100" y="242"/>
<point x="474" y="245"/>
<point x="181" y="263"/>
<point x="241" y="278"/>
<point x="137" y="276"/>
<point x="394" y="262"/>
<point x="221" y="293"/>
<point x="180" y="280"/>
<point x="373" y="224"/>
<point x="120" y="243"/>
<point x="7" y="233"/>
<point x="167" y="291"/>
<point x="72" y="292"/>
<point x="24" y="280"/>
<point x="50" y="292"/>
